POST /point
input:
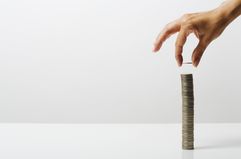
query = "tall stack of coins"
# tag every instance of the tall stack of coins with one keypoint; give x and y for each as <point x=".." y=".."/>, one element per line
<point x="187" y="112"/>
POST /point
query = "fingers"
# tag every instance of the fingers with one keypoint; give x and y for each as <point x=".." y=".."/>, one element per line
<point x="198" y="52"/>
<point x="170" y="29"/>
<point x="181" y="39"/>
<point x="184" y="26"/>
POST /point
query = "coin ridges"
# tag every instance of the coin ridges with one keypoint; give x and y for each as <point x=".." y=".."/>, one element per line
<point x="187" y="111"/>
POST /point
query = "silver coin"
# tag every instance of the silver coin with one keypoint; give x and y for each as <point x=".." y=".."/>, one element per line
<point x="187" y="111"/>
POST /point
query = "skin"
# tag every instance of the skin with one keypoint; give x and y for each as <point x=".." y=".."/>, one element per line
<point x="206" y="26"/>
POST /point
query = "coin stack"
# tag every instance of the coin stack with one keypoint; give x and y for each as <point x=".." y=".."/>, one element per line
<point x="187" y="112"/>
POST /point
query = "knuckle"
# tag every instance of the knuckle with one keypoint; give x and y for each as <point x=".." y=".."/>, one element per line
<point x="186" y="20"/>
<point x="185" y="16"/>
<point x="202" y="46"/>
<point x="197" y="56"/>
<point x="177" y="44"/>
<point x="178" y="57"/>
<point x="167" y="26"/>
<point x="179" y="49"/>
<point x="185" y="26"/>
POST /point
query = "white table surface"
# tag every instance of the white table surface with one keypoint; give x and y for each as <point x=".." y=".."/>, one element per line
<point x="117" y="141"/>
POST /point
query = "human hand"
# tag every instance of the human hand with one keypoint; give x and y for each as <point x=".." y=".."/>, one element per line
<point x="206" y="26"/>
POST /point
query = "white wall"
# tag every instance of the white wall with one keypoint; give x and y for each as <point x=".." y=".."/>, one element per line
<point x="91" y="61"/>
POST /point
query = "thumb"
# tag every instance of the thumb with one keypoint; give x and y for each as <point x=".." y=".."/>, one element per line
<point x="198" y="52"/>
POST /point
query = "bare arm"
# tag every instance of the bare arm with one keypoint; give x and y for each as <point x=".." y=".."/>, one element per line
<point x="207" y="26"/>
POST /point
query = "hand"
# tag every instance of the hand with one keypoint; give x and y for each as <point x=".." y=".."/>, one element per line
<point x="206" y="26"/>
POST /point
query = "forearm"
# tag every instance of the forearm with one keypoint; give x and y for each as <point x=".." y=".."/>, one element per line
<point x="230" y="10"/>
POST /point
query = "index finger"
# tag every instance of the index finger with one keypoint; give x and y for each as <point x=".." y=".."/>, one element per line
<point x="169" y="30"/>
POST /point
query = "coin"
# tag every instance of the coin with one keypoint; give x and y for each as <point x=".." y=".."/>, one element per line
<point x="187" y="111"/>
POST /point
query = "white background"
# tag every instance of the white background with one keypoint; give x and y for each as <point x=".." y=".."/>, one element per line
<point x="108" y="141"/>
<point x="90" y="61"/>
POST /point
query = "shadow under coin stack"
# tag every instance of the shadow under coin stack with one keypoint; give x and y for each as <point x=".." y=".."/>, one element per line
<point x="187" y="112"/>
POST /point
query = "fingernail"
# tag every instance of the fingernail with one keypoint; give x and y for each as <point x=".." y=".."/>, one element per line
<point x="179" y="64"/>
